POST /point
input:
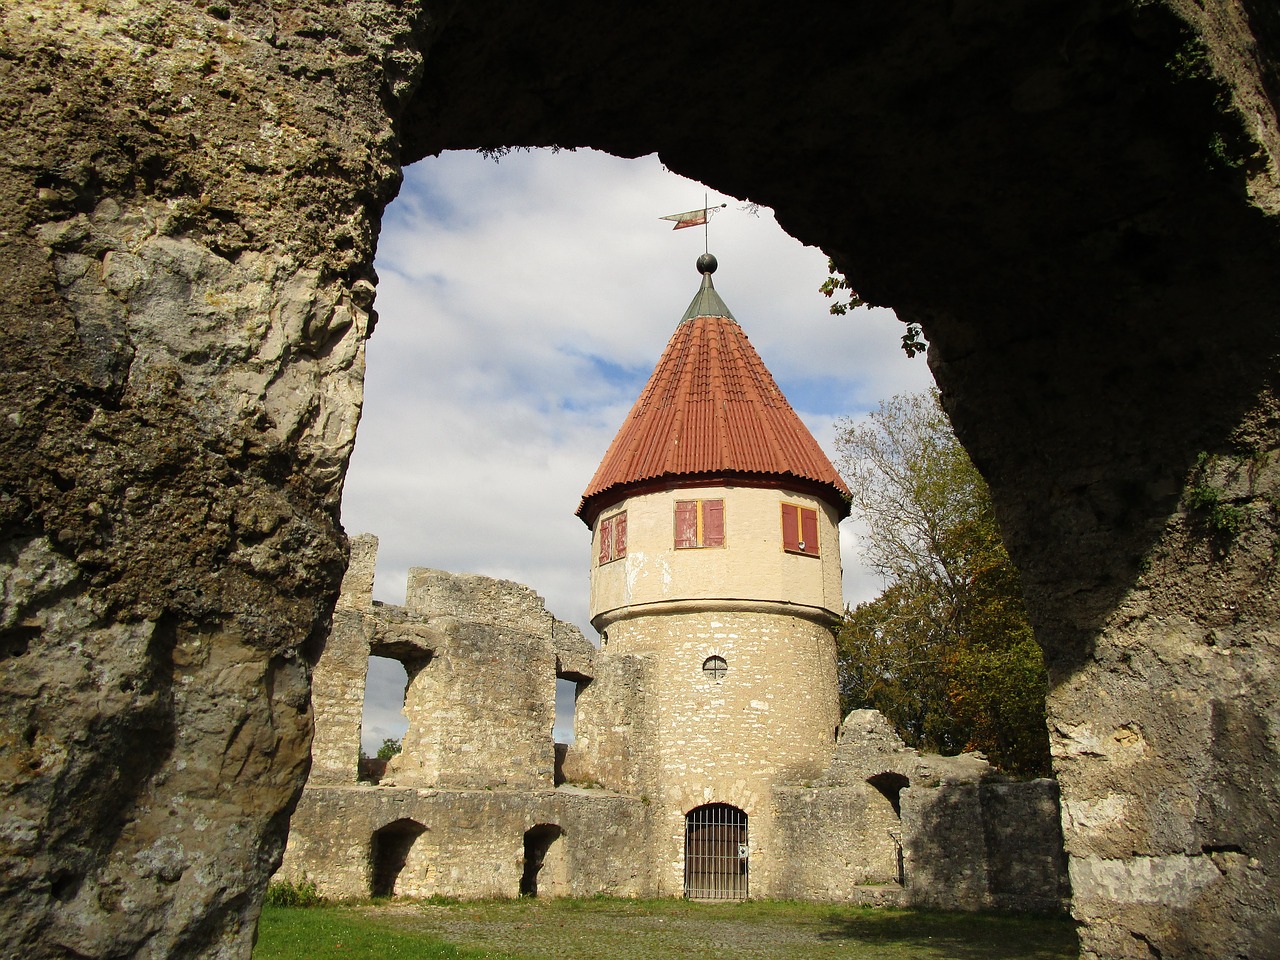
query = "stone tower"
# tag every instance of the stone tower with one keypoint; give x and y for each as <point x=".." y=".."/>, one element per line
<point x="716" y="578"/>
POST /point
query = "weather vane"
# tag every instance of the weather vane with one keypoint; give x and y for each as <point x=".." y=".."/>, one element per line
<point x="696" y="218"/>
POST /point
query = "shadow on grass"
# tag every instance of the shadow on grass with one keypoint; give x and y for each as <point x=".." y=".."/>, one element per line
<point x="962" y="936"/>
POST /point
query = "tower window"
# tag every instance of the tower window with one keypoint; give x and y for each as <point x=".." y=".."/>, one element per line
<point x="699" y="523"/>
<point x="613" y="537"/>
<point x="714" y="668"/>
<point x="799" y="529"/>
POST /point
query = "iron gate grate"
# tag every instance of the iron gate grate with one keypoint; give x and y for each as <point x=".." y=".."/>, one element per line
<point x="715" y="853"/>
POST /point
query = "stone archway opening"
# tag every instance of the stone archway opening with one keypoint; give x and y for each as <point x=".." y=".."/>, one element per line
<point x="890" y="785"/>
<point x="716" y="853"/>
<point x="389" y="852"/>
<point x="539" y="842"/>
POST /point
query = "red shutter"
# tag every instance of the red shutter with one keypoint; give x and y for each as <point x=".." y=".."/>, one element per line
<point x="620" y="535"/>
<point x="713" y="523"/>
<point x="790" y="526"/>
<point x="809" y="530"/>
<point x="606" y="540"/>
<point x="686" y="524"/>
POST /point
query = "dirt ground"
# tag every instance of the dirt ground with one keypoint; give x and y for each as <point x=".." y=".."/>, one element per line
<point x="757" y="930"/>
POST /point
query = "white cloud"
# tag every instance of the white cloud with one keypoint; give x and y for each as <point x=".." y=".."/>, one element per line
<point x="522" y="306"/>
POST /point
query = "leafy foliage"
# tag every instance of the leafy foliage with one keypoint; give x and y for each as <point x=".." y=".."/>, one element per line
<point x="285" y="893"/>
<point x="946" y="652"/>
<point x="912" y="341"/>
<point x="388" y="749"/>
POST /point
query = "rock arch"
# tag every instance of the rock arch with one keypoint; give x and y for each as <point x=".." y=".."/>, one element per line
<point x="1057" y="194"/>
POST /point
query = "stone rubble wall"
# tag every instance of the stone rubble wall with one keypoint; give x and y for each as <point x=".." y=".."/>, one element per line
<point x="473" y="846"/>
<point x="833" y="842"/>
<point x="613" y="736"/>
<point x="968" y="840"/>
<point x="481" y="688"/>
<point x="476" y="772"/>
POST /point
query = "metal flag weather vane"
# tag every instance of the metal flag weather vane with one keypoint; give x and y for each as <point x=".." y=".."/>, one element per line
<point x="695" y="218"/>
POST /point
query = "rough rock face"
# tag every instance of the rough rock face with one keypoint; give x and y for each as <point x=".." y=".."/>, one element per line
<point x="189" y="209"/>
<point x="1077" y="202"/>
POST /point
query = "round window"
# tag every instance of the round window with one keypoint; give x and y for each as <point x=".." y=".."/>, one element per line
<point x="714" y="668"/>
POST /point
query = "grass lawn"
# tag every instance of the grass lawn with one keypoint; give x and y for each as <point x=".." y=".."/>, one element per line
<point x="607" y="929"/>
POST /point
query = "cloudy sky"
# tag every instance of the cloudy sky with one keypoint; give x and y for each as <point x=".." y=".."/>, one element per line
<point x="522" y="306"/>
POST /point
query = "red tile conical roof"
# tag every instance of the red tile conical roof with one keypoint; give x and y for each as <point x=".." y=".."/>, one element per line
<point x="711" y="411"/>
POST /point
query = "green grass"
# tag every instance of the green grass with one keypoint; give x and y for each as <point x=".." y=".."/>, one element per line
<point x="611" y="929"/>
<point x="340" y="933"/>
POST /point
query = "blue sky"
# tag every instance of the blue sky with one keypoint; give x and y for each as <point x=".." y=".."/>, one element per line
<point x="522" y="305"/>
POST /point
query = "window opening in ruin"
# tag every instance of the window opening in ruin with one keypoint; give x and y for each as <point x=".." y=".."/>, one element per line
<point x="566" y="709"/>
<point x="382" y="716"/>
<point x="699" y="523"/>
<point x="569" y="687"/>
<point x="714" y="668"/>
<point x="388" y="853"/>
<point x="716" y="853"/>
<point x="537" y="841"/>
<point x="891" y="786"/>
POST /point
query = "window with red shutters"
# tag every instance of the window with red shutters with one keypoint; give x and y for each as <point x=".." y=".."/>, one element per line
<point x="613" y="538"/>
<point x="686" y="524"/>
<point x="620" y="535"/>
<point x="809" y="531"/>
<point x="713" y="523"/>
<point x="799" y="529"/>
<point x="699" y="523"/>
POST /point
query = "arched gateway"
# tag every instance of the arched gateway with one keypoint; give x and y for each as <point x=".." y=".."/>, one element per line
<point x="716" y="853"/>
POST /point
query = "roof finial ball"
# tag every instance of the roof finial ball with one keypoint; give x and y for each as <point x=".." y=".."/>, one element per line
<point x="707" y="264"/>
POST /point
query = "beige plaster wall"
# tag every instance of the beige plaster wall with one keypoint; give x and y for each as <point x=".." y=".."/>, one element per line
<point x="750" y="566"/>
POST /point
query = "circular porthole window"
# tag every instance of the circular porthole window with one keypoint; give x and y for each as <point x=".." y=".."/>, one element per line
<point x="714" y="668"/>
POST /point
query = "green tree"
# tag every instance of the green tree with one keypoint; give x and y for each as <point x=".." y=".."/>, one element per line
<point x="388" y="749"/>
<point x="946" y="652"/>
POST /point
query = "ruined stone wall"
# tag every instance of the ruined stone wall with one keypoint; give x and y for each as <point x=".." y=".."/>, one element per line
<point x="337" y="685"/>
<point x="480" y="711"/>
<point x="834" y="841"/>
<point x="972" y="846"/>
<point x="655" y="738"/>
<point x="613" y="729"/>
<point x="473" y="843"/>
<point x="968" y="839"/>
<point x="482" y="657"/>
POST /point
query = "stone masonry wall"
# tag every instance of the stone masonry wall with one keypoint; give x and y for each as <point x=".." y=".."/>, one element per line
<point x="834" y="841"/>
<point x="473" y="844"/>
<point x="613" y="731"/>
<point x="656" y="738"/>
<point x="969" y="840"/>
<point x="482" y="657"/>
<point x="769" y="720"/>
